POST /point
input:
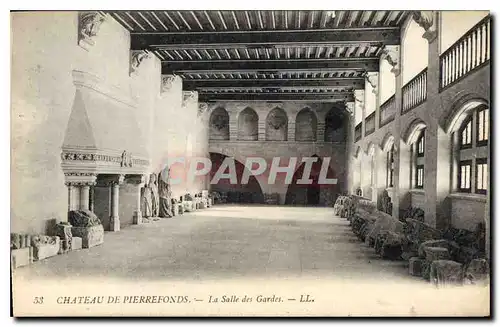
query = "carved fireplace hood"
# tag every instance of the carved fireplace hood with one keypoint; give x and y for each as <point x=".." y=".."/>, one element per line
<point x="103" y="135"/>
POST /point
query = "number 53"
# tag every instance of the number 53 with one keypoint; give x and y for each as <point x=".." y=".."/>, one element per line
<point x="38" y="300"/>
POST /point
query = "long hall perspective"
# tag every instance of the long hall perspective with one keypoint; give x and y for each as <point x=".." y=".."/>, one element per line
<point x="343" y="148"/>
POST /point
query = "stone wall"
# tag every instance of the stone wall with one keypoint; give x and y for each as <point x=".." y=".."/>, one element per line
<point x="263" y="148"/>
<point x="117" y="108"/>
<point x="439" y="201"/>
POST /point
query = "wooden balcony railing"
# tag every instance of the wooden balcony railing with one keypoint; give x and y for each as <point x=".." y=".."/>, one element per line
<point x="370" y="124"/>
<point x="415" y="91"/>
<point x="357" y="132"/>
<point x="470" y="52"/>
<point x="388" y="111"/>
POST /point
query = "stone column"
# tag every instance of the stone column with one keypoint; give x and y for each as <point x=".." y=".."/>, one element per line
<point x="349" y="175"/>
<point x="320" y="129"/>
<point x="115" y="202"/>
<point x="139" y="181"/>
<point x="84" y="197"/>
<point x="79" y="184"/>
<point x="71" y="201"/>
<point x="261" y="129"/>
<point x="291" y="129"/>
<point x="233" y="125"/>
<point x="393" y="57"/>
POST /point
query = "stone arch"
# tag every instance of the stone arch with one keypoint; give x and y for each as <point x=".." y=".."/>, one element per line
<point x="306" y="125"/>
<point x="314" y="193"/>
<point x="277" y="125"/>
<point x="370" y="149"/>
<point x="411" y="133"/>
<point x="250" y="192"/>
<point x="334" y="126"/>
<point x="219" y="124"/>
<point x="387" y="142"/>
<point x="248" y="125"/>
<point x="357" y="152"/>
<point x="459" y="110"/>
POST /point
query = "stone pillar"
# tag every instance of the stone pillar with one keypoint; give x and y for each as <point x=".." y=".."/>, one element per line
<point x="84" y="197"/>
<point x="71" y="191"/>
<point x="115" y="198"/>
<point x="291" y="129"/>
<point x="438" y="143"/>
<point x="261" y="129"/>
<point x="139" y="181"/>
<point x="233" y="125"/>
<point x="320" y="130"/>
<point x="393" y="56"/>
<point x="79" y="184"/>
<point x="349" y="173"/>
<point x="487" y="224"/>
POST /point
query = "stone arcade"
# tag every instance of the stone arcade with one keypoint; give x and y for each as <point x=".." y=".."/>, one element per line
<point x="398" y="101"/>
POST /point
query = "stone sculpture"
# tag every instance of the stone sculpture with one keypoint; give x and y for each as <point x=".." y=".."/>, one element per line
<point x="63" y="231"/>
<point x="165" y="194"/>
<point x="385" y="203"/>
<point x="45" y="246"/>
<point x="146" y="201"/>
<point x="155" y="199"/>
<point x="87" y="226"/>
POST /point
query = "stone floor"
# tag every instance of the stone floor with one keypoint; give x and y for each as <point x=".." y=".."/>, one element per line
<point x="281" y="252"/>
<point x="228" y="241"/>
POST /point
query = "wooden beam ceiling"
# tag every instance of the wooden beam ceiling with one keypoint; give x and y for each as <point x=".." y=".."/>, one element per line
<point x="245" y="39"/>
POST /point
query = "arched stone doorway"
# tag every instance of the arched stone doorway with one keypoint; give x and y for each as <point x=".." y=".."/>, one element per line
<point x="235" y="193"/>
<point x="315" y="193"/>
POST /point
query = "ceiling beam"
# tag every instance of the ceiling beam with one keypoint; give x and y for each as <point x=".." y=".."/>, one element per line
<point x="170" y="40"/>
<point x="357" y="64"/>
<point x="190" y="84"/>
<point x="307" y="97"/>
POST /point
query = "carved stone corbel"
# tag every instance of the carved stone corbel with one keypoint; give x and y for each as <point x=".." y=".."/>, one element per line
<point x="426" y="20"/>
<point x="359" y="97"/>
<point x="167" y="81"/>
<point x="136" y="58"/>
<point x="391" y="54"/>
<point x="189" y="97"/>
<point x="202" y="108"/>
<point x="89" y="23"/>
<point x="372" y="79"/>
<point x="350" y="108"/>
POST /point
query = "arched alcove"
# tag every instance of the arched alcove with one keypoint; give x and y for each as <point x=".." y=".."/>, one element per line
<point x="250" y="192"/>
<point x="334" y="126"/>
<point x="306" y="125"/>
<point x="248" y="123"/>
<point x="277" y="125"/>
<point x="314" y="194"/>
<point x="219" y="125"/>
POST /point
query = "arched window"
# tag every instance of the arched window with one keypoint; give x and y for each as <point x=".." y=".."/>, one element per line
<point x="471" y="151"/>
<point x="390" y="166"/>
<point x="277" y="125"/>
<point x="248" y="122"/>
<point x="219" y="125"/>
<point x="417" y="160"/>
<point x="305" y="125"/>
